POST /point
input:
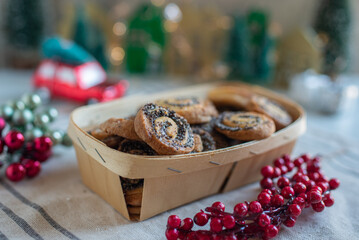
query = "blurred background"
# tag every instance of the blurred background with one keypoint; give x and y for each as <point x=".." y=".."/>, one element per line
<point x="303" y="46"/>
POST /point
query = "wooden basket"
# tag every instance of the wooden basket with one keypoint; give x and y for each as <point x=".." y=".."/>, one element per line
<point x="171" y="181"/>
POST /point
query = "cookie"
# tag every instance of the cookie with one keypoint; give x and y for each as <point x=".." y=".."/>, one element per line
<point x="230" y="96"/>
<point x="129" y="184"/>
<point x="136" y="147"/>
<point x="198" y="146"/>
<point x="123" y="127"/>
<point x="164" y="130"/>
<point x="208" y="142"/>
<point x="113" y="141"/>
<point x="134" y="197"/>
<point x="134" y="210"/>
<point x="98" y="133"/>
<point x="272" y="109"/>
<point x="192" y="109"/>
<point x="245" y="126"/>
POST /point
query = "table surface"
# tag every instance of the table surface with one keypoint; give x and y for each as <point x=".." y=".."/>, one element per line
<point x="56" y="204"/>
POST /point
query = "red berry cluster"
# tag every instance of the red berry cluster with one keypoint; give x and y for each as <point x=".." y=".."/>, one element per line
<point x="277" y="203"/>
<point x="23" y="158"/>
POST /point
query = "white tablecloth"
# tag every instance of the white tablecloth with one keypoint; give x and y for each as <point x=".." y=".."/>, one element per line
<point x="56" y="205"/>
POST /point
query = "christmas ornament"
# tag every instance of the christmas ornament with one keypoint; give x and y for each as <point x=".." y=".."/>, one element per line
<point x="84" y="79"/>
<point x="26" y="142"/>
<point x="275" y="205"/>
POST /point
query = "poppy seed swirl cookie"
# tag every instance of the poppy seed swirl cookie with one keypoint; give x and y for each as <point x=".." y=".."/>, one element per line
<point x="272" y="109"/>
<point x="245" y="126"/>
<point x="192" y="109"/>
<point x="164" y="130"/>
<point x="136" y="147"/>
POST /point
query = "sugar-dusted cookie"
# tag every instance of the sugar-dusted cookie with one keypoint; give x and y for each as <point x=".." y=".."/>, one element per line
<point x="208" y="142"/>
<point x="245" y="126"/>
<point x="164" y="130"/>
<point x="192" y="109"/>
<point x="136" y="147"/>
<point x="270" y="108"/>
<point x="230" y="96"/>
<point x="123" y="127"/>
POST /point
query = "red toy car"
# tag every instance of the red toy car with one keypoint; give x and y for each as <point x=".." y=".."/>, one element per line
<point x="83" y="83"/>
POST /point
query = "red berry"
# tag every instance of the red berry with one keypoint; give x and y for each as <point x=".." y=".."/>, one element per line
<point x="315" y="196"/>
<point x="316" y="189"/>
<point x="216" y="225"/>
<point x="279" y="162"/>
<point x="334" y="183"/>
<point x="300" y="201"/>
<point x="228" y="222"/>
<point x="289" y="222"/>
<point x="230" y="237"/>
<point x="264" y="198"/>
<point x="305" y="157"/>
<point x="290" y="166"/>
<point x="173" y="221"/>
<point x="263" y="220"/>
<point x="323" y="185"/>
<point x="283" y="182"/>
<point x="313" y="176"/>
<point x="271" y="231"/>
<point x="41" y="156"/>
<point x="318" y="207"/>
<point x="286" y="158"/>
<point x="277" y="200"/>
<point x="241" y="209"/>
<point x="15" y="172"/>
<point x="310" y="185"/>
<point x="299" y="188"/>
<point x="219" y="205"/>
<point x="42" y="144"/>
<point x="297" y="176"/>
<point x="328" y="200"/>
<point x="255" y="207"/>
<point x="303" y="178"/>
<point x="277" y="172"/>
<point x="186" y="224"/>
<point x="313" y="166"/>
<point x="267" y="171"/>
<point x="303" y="195"/>
<point x="201" y="219"/>
<point x="2" y="143"/>
<point x="287" y="192"/>
<point x="298" y="162"/>
<point x="267" y="191"/>
<point x="172" y="234"/>
<point x="294" y="210"/>
<point x="266" y="183"/>
<point x="283" y="169"/>
<point x="32" y="167"/>
<point x="14" y="140"/>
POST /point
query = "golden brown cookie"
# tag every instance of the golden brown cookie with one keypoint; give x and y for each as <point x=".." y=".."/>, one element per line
<point x="192" y="109"/>
<point x="134" y="197"/>
<point x="198" y="146"/>
<point x="134" y="210"/>
<point x="129" y="184"/>
<point x="230" y="96"/>
<point x="270" y="108"/>
<point x="245" y="126"/>
<point x="208" y="142"/>
<point x="136" y="147"/>
<point x="98" y="134"/>
<point x="164" y="130"/>
<point x="123" y="127"/>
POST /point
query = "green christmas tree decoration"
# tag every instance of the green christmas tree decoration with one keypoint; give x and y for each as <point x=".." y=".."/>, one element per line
<point x="332" y="25"/>
<point x="24" y="23"/>
<point x="145" y="40"/>
<point x="90" y="36"/>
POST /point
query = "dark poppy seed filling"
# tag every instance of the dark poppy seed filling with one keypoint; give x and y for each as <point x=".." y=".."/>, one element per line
<point x="136" y="147"/>
<point x="168" y="127"/>
<point x="235" y="121"/>
<point x="129" y="184"/>
<point x="207" y="140"/>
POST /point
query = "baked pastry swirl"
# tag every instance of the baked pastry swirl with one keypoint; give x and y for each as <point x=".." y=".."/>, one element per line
<point x="164" y="130"/>
<point x="123" y="127"/>
<point x="272" y="109"/>
<point x="245" y="126"/>
<point x="208" y="142"/>
<point x="192" y="109"/>
<point x="230" y="96"/>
